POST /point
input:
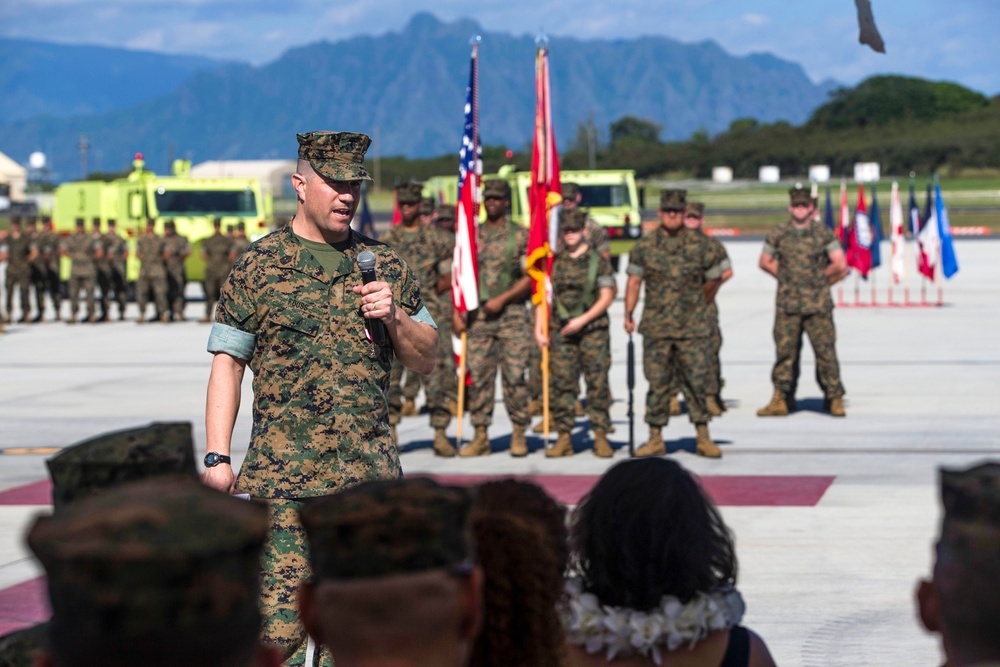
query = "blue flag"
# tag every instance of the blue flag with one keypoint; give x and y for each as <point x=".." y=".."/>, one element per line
<point x="828" y="214"/>
<point x="876" y="223"/>
<point x="949" y="262"/>
<point x="366" y="223"/>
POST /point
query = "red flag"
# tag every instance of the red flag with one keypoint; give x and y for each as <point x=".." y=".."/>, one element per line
<point x="544" y="191"/>
<point x="397" y="216"/>
<point x="845" y="215"/>
<point x="859" y="238"/>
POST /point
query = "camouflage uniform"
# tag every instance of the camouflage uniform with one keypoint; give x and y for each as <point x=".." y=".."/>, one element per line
<point x="803" y="303"/>
<point x="676" y="321"/>
<point x="48" y="254"/>
<point x="82" y="249"/>
<point x="506" y="338"/>
<point x="163" y="570"/>
<point x="116" y="256"/>
<point x="38" y="269"/>
<point x="321" y="422"/>
<point x="428" y="253"/>
<point x="152" y="275"/>
<point x="575" y="290"/>
<point x="19" y="249"/>
<point x="217" y="249"/>
<point x="175" y="250"/>
<point x="102" y="270"/>
<point x="240" y="243"/>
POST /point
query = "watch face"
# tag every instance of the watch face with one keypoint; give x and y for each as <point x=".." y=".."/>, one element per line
<point x="211" y="459"/>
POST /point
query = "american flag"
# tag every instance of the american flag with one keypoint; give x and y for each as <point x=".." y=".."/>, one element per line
<point x="464" y="268"/>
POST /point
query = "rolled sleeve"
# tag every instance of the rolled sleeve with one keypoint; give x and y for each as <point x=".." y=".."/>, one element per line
<point x="634" y="270"/>
<point x="833" y="246"/>
<point x="424" y="317"/>
<point x="768" y="249"/>
<point x="233" y="341"/>
<point x="715" y="272"/>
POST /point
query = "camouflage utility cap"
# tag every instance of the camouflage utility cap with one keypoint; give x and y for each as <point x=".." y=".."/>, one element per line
<point x="572" y="220"/>
<point x="800" y="197"/>
<point x="427" y="206"/>
<point x="971" y="500"/>
<point x="384" y="528"/>
<point x="122" y="456"/>
<point x="446" y="212"/>
<point x="570" y="190"/>
<point x="695" y="209"/>
<point x="410" y="193"/>
<point x="673" y="200"/>
<point x="337" y="156"/>
<point x="154" y="559"/>
<point x="496" y="188"/>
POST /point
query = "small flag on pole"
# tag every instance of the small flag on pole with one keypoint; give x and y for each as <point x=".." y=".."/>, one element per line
<point x="845" y="215"/>
<point x="898" y="261"/>
<point x="859" y="238"/>
<point x="828" y="214"/>
<point x="928" y="242"/>
<point x="949" y="262"/>
<point x="876" y="225"/>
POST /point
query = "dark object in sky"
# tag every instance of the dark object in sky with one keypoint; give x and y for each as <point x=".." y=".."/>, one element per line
<point x="866" y="24"/>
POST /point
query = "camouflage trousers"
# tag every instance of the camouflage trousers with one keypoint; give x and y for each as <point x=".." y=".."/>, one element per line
<point x="112" y="285"/>
<point x="284" y="565"/>
<point x="440" y="386"/>
<point x="51" y="286"/>
<point x="505" y="341"/>
<point x="86" y="283"/>
<point x="683" y="362"/>
<point x="20" y="280"/>
<point x="788" y="331"/>
<point x="587" y="353"/>
<point x="534" y="366"/>
<point x="214" y="280"/>
<point x="714" y="386"/>
<point x="176" y="280"/>
<point x="158" y="286"/>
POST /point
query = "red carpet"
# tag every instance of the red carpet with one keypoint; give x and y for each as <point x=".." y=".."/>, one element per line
<point x="23" y="605"/>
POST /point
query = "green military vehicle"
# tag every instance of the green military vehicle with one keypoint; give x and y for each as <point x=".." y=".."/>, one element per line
<point x="610" y="197"/>
<point x="192" y="203"/>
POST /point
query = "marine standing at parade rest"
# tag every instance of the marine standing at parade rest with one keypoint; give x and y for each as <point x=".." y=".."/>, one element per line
<point x="694" y="217"/>
<point x="682" y="272"/>
<point x="116" y="252"/>
<point x="583" y="287"/>
<point x="152" y="273"/>
<point x="500" y="329"/>
<point x="428" y="253"/>
<point x="20" y="253"/>
<point x="48" y="250"/>
<point x="83" y="250"/>
<point x="240" y="242"/>
<point x="176" y="249"/>
<point x="445" y="222"/>
<point x="102" y="267"/>
<point x="806" y="258"/>
<point x="215" y="251"/>
<point x="38" y="270"/>
<point x="295" y="309"/>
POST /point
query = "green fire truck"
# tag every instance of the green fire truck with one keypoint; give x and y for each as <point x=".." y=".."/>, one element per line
<point x="609" y="195"/>
<point x="192" y="203"/>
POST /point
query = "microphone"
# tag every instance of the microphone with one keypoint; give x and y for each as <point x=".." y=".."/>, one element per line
<point x="366" y="262"/>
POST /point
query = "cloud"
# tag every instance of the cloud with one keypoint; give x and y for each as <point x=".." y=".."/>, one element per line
<point x="756" y="19"/>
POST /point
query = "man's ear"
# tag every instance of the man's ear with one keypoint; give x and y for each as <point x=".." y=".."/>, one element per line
<point x="928" y="605"/>
<point x="471" y="610"/>
<point x="308" y="611"/>
<point x="299" y="185"/>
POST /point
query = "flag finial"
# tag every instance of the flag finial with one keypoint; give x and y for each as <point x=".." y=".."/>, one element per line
<point x="542" y="40"/>
<point x="475" y="39"/>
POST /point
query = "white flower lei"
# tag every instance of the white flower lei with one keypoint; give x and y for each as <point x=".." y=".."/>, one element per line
<point x="624" y="631"/>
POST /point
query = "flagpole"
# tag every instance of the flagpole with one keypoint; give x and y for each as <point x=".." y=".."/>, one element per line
<point x="461" y="387"/>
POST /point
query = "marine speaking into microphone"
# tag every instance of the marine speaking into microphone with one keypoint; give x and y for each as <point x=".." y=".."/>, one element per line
<point x="366" y="262"/>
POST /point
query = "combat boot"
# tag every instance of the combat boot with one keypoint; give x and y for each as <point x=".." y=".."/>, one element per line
<point x="480" y="445"/>
<point x="837" y="407"/>
<point x="443" y="446"/>
<point x="540" y="426"/>
<point x="562" y="447"/>
<point x="713" y="406"/>
<point x="654" y="446"/>
<point x="675" y="405"/>
<point x="534" y="408"/>
<point x="165" y="317"/>
<point x="37" y="318"/>
<point x="602" y="447"/>
<point x="705" y="446"/>
<point x="778" y="407"/>
<point x="409" y="408"/>
<point x="205" y="320"/>
<point x="518" y="443"/>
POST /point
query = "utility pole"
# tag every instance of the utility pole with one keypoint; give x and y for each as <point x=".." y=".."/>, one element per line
<point x="378" y="162"/>
<point x="84" y="146"/>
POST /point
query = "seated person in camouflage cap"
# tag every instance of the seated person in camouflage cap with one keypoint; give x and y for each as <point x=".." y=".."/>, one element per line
<point x="295" y="310"/>
<point x="393" y="577"/>
<point x="159" y="573"/>
<point x="962" y="600"/>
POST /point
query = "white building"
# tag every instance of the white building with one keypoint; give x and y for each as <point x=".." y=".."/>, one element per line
<point x="14" y="178"/>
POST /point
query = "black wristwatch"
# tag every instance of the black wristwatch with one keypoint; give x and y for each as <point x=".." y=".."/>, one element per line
<point x="212" y="459"/>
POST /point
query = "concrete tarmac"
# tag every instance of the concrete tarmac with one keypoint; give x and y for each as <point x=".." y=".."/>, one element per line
<point x="827" y="582"/>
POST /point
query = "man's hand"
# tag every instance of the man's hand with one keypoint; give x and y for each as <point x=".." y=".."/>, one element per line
<point x="573" y="326"/>
<point x="376" y="301"/>
<point x="629" y="323"/>
<point x="458" y="324"/>
<point x="220" y="478"/>
<point x="494" y="306"/>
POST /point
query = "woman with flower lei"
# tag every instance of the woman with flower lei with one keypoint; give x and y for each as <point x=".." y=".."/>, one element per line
<point x="653" y="575"/>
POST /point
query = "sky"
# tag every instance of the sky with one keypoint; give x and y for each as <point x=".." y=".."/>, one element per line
<point x="949" y="40"/>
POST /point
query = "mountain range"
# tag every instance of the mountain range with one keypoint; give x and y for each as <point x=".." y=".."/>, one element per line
<point x="405" y="89"/>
